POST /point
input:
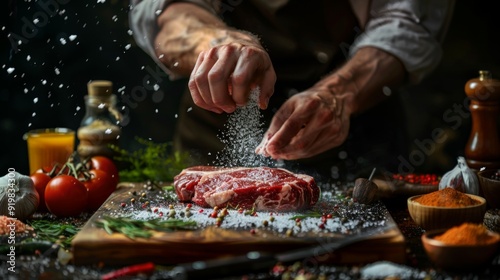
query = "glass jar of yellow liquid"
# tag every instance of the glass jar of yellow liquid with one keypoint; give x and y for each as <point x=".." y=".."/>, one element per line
<point x="48" y="146"/>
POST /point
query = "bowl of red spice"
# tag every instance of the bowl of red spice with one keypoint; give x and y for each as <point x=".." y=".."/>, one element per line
<point x="445" y="208"/>
<point x="467" y="246"/>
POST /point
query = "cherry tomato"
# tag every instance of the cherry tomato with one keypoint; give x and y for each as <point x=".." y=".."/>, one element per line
<point x="107" y="165"/>
<point x="41" y="180"/>
<point x="66" y="196"/>
<point x="100" y="186"/>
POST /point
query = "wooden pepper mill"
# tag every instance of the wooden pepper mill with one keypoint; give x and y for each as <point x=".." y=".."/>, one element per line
<point x="483" y="147"/>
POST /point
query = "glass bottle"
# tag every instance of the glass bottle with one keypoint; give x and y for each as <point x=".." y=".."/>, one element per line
<point x="100" y="127"/>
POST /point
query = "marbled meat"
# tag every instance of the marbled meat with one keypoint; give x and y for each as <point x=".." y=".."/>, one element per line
<point x="259" y="188"/>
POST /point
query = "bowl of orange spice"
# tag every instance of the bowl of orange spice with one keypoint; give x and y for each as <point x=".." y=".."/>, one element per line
<point x="445" y="208"/>
<point x="464" y="247"/>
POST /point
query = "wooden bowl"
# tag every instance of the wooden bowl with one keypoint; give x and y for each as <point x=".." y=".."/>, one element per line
<point x="490" y="187"/>
<point x="434" y="217"/>
<point x="458" y="257"/>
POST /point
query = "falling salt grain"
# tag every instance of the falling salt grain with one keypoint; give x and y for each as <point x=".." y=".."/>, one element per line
<point x="56" y="70"/>
<point x="28" y="58"/>
<point x="72" y="37"/>
<point x="62" y="41"/>
<point x="189" y="109"/>
<point x="10" y="70"/>
<point x="128" y="46"/>
<point x="243" y="133"/>
<point x="35" y="100"/>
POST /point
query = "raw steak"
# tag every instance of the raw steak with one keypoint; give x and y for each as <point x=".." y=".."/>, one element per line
<point x="261" y="188"/>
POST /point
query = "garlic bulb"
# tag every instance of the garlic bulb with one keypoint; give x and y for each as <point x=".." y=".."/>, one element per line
<point x="18" y="196"/>
<point x="461" y="178"/>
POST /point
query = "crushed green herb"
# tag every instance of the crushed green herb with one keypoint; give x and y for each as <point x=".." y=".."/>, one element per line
<point x="133" y="228"/>
<point x="55" y="232"/>
<point x="154" y="161"/>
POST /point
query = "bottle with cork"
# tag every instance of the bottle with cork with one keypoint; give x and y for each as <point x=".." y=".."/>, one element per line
<point x="483" y="147"/>
<point x="100" y="127"/>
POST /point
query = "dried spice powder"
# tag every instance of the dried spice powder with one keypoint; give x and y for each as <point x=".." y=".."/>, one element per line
<point x="467" y="234"/>
<point x="447" y="197"/>
<point x="8" y="225"/>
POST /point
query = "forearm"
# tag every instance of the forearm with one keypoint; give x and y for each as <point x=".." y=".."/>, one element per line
<point x="186" y="30"/>
<point x="362" y="79"/>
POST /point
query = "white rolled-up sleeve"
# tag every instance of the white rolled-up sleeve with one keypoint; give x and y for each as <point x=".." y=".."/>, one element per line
<point x="410" y="30"/>
<point x="143" y="23"/>
<point x="142" y="19"/>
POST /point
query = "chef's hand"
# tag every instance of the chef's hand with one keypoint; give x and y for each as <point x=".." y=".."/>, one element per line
<point x="307" y="124"/>
<point x="224" y="75"/>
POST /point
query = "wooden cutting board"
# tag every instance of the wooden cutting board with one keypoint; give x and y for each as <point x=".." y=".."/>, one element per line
<point x="93" y="245"/>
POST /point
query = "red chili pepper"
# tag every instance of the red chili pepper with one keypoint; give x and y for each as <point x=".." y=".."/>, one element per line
<point x="423" y="179"/>
<point x="147" y="268"/>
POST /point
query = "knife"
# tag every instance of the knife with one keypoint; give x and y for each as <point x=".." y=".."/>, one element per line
<point x="254" y="261"/>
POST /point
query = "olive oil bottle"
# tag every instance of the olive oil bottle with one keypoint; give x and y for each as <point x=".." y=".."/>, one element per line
<point x="100" y="127"/>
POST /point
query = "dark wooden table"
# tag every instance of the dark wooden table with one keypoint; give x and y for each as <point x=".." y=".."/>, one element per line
<point x="48" y="267"/>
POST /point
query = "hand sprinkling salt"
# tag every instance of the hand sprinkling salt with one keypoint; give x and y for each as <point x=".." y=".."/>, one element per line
<point x="243" y="132"/>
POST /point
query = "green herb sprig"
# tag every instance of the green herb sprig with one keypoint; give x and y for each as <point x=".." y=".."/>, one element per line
<point x="154" y="161"/>
<point x="307" y="215"/>
<point x="55" y="232"/>
<point x="133" y="228"/>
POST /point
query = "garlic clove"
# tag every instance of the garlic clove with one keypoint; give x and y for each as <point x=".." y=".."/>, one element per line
<point x="18" y="196"/>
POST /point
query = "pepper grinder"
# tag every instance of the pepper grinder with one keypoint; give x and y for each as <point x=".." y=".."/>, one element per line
<point x="483" y="146"/>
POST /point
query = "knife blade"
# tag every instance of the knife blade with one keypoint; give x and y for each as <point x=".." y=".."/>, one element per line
<point x="254" y="261"/>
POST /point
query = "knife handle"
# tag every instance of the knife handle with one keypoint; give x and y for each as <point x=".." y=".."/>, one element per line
<point x="249" y="263"/>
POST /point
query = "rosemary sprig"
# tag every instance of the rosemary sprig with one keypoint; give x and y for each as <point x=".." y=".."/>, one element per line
<point x="54" y="232"/>
<point x="307" y="215"/>
<point x="133" y="228"/>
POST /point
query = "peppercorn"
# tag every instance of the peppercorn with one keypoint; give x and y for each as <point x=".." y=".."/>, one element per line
<point x="496" y="176"/>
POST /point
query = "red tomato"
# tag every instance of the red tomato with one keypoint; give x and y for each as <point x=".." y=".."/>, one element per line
<point x="66" y="196"/>
<point x="100" y="186"/>
<point x="107" y="165"/>
<point x="41" y="180"/>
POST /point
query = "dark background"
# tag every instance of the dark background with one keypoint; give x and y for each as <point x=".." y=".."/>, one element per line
<point x="43" y="79"/>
